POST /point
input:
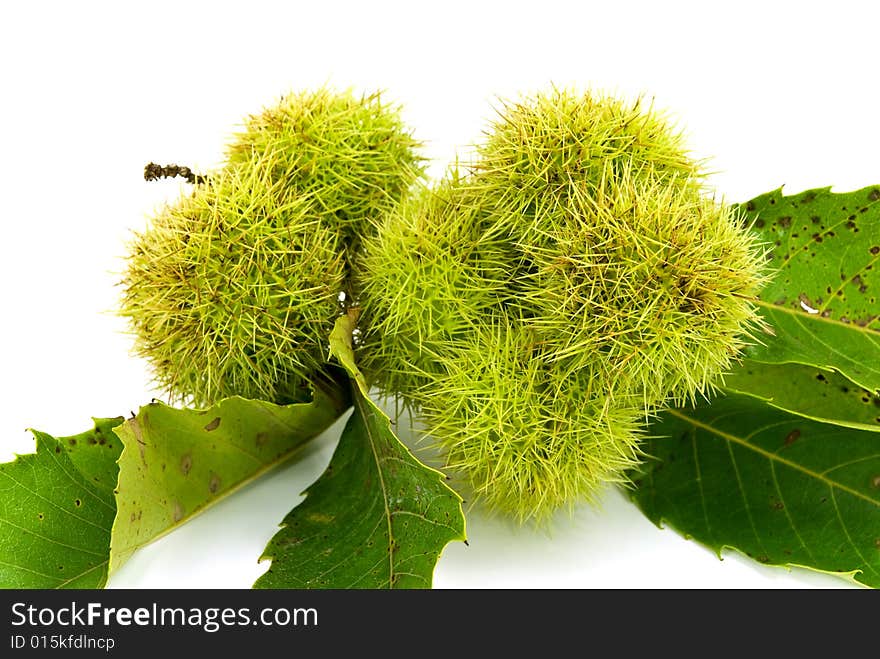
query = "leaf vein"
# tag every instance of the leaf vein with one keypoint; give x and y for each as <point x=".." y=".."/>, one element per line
<point x="773" y="456"/>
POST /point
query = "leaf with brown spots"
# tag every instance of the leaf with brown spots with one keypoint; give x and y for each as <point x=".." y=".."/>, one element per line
<point x="77" y="508"/>
<point x="177" y="462"/>
<point x="823" y="301"/>
<point x="780" y="488"/>
<point x="57" y="509"/>
<point x="376" y="518"/>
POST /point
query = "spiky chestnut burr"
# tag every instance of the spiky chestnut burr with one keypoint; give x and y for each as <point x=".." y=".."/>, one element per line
<point x="633" y="287"/>
<point x="647" y="283"/>
<point x="530" y="438"/>
<point x="538" y="154"/>
<point x="233" y="290"/>
<point x="427" y="278"/>
<point x="351" y="154"/>
<point x="538" y="147"/>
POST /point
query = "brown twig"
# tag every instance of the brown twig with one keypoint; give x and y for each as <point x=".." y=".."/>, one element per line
<point x="153" y="172"/>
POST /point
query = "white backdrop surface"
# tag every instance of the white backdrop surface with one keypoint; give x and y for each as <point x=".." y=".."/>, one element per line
<point x="782" y="93"/>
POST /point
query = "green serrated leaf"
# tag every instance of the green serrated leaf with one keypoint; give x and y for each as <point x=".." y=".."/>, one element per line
<point x="57" y="509"/>
<point x="177" y="462"/>
<point x="823" y="303"/>
<point x="59" y="526"/>
<point x="376" y="518"/>
<point x="780" y="488"/>
<point x="808" y="391"/>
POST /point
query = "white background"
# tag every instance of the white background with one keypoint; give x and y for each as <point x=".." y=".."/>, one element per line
<point x="775" y="93"/>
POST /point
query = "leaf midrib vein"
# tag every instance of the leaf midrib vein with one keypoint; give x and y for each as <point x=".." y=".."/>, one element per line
<point x="832" y="349"/>
<point x="773" y="457"/>
<point x="816" y="317"/>
<point x="831" y="225"/>
<point x="359" y="402"/>
<point x="136" y="544"/>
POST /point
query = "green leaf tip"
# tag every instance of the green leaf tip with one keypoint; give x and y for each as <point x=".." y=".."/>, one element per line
<point x="535" y="306"/>
<point x="376" y="518"/>
<point x="779" y="488"/>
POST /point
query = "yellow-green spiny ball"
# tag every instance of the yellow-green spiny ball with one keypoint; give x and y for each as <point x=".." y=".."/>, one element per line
<point x="426" y="279"/>
<point x="233" y="290"/>
<point x="630" y="287"/>
<point x="649" y="283"/>
<point x="539" y="148"/>
<point x="350" y="154"/>
<point x="622" y="254"/>
<point x="530" y="438"/>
